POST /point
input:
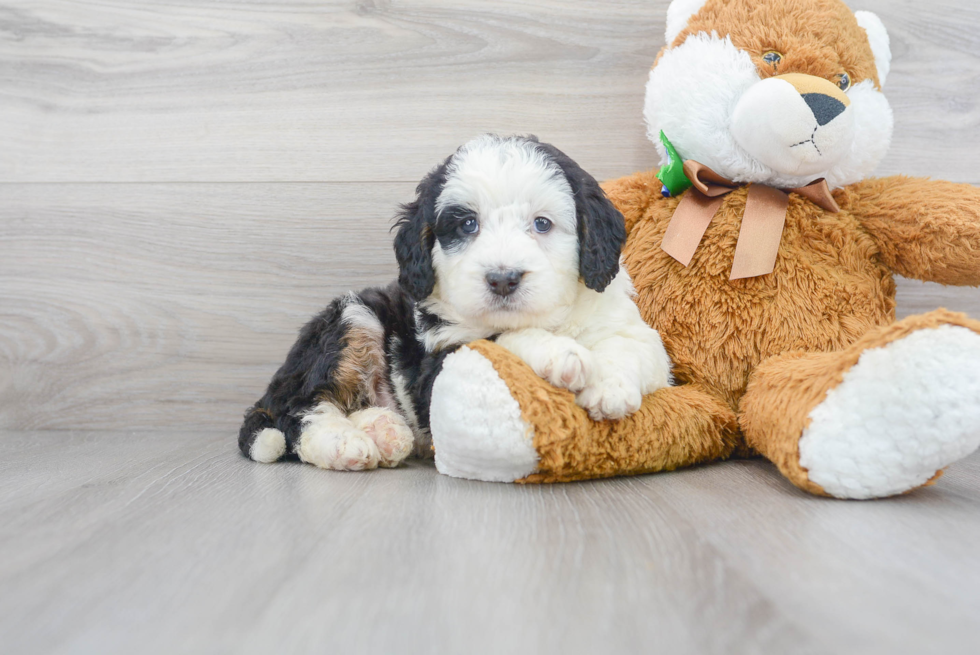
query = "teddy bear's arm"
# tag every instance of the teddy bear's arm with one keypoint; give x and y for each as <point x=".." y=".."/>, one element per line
<point x="925" y="229"/>
<point x="494" y="419"/>
<point x="633" y="194"/>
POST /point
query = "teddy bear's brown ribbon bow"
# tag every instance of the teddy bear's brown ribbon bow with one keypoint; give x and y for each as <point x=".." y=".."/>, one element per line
<point x="762" y="223"/>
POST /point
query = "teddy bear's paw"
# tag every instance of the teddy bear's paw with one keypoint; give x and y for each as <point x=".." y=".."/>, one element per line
<point x="569" y="365"/>
<point x="610" y="398"/>
<point x="477" y="428"/>
<point x="903" y="413"/>
<point x="329" y="440"/>
<point x="389" y="432"/>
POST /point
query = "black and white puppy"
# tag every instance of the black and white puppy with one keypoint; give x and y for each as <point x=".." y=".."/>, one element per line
<point x="508" y="239"/>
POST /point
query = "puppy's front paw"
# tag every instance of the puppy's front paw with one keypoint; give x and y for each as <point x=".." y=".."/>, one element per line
<point x="570" y="366"/>
<point x="610" y="398"/>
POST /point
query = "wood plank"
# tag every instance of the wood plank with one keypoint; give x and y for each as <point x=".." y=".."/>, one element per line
<point x="137" y="306"/>
<point x="915" y="297"/>
<point x="374" y="90"/>
<point x="799" y="548"/>
<point x="171" y="304"/>
<point x="172" y="541"/>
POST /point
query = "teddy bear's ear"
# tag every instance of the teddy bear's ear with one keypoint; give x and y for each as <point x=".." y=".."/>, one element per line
<point x="415" y="238"/>
<point x="678" y="13"/>
<point x="878" y="37"/>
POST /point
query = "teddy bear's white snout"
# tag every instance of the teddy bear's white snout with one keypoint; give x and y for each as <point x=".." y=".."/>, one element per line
<point x="795" y="124"/>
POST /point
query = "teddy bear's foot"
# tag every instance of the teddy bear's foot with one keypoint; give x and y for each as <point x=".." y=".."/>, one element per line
<point x="903" y="413"/>
<point x="493" y="419"/>
<point x="476" y="424"/>
<point x="882" y="417"/>
<point x="388" y="431"/>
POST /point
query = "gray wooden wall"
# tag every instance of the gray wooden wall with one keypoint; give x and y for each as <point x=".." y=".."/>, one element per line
<point x="184" y="182"/>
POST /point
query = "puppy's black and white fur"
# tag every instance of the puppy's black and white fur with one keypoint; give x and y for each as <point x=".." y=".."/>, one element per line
<point x="507" y="239"/>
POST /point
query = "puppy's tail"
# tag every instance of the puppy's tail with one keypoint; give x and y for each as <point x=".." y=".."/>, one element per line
<point x="264" y="439"/>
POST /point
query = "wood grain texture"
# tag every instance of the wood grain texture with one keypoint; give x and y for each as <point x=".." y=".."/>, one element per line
<point x="369" y="90"/>
<point x="145" y="305"/>
<point x="172" y="542"/>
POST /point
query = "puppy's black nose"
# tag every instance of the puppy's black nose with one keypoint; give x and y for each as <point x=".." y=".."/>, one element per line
<point x="504" y="283"/>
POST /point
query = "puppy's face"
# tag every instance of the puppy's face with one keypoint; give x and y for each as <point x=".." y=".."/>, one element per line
<point x="505" y="233"/>
<point x="506" y="248"/>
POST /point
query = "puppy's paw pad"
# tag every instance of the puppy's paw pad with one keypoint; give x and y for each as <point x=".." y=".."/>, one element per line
<point x="610" y="399"/>
<point x="389" y="432"/>
<point x="570" y="368"/>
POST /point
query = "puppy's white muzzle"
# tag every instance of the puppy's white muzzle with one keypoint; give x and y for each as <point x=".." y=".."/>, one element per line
<point x="795" y="124"/>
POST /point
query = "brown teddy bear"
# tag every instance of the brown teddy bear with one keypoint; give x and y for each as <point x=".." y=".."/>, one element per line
<point x="770" y="279"/>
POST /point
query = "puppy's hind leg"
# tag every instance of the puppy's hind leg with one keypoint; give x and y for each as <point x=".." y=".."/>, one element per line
<point x="330" y="440"/>
<point x="259" y="438"/>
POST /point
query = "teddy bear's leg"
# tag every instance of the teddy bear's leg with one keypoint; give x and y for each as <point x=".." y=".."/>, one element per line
<point x="880" y="418"/>
<point x="493" y="419"/>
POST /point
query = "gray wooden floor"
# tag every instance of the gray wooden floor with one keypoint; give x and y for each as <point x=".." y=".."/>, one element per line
<point x="169" y="542"/>
<point x="183" y="183"/>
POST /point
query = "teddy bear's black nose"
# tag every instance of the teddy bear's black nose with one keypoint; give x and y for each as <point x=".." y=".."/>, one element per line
<point x="824" y="108"/>
<point x="504" y="283"/>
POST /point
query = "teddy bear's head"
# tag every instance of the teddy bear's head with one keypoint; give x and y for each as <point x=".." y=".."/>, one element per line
<point x="779" y="92"/>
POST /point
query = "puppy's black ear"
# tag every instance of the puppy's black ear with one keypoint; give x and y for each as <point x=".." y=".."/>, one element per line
<point x="601" y="228"/>
<point x="413" y="250"/>
<point x="415" y="236"/>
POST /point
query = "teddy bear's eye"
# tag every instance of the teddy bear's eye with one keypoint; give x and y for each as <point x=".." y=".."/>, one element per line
<point x="844" y="81"/>
<point x="772" y="58"/>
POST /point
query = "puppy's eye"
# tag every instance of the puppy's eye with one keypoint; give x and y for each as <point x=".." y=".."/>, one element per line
<point x="469" y="226"/>
<point x="772" y="58"/>
<point x="844" y="81"/>
<point x="542" y="225"/>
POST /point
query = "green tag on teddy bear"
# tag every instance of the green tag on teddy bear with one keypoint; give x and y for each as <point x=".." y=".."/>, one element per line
<point x="672" y="175"/>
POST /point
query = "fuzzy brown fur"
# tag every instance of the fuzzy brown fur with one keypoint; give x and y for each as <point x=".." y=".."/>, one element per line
<point x="360" y="371"/>
<point x="675" y="427"/>
<point x="767" y="348"/>
<point x="826" y="291"/>
<point x="823" y="40"/>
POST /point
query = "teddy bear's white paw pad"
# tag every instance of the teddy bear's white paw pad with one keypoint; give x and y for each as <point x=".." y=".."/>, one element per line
<point x="477" y="428"/>
<point x="611" y="398"/>
<point x="570" y="367"/>
<point x="902" y="413"/>
<point x="331" y="441"/>
<point x="389" y="432"/>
